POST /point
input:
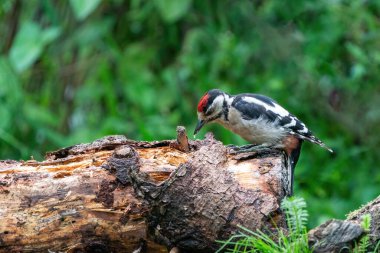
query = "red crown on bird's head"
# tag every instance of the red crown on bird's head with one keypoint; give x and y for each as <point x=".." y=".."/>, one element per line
<point x="203" y="102"/>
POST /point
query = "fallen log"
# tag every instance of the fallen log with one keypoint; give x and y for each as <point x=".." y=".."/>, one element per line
<point x="343" y="235"/>
<point x="119" y="195"/>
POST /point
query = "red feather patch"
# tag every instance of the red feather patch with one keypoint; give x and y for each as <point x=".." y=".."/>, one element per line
<point x="203" y="102"/>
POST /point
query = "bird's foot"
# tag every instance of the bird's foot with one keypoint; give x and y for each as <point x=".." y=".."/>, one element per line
<point x="234" y="147"/>
<point x="250" y="151"/>
<point x="258" y="149"/>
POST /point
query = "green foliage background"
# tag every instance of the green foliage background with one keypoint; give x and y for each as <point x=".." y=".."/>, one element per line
<point x="73" y="71"/>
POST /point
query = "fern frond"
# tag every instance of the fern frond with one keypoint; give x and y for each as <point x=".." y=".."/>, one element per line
<point x="364" y="242"/>
<point x="296" y="214"/>
<point x="257" y="241"/>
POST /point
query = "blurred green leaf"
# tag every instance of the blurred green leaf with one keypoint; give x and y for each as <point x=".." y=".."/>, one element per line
<point x="10" y="94"/>
<point x="356" y="52"/>
<point x="172" y="10"/>
<point x="50" y="34"/>
<point x="358" y="71"/>
<point x="5" y="6"/>
<point x="29" y="43"/>
<point x="39" y="115"/>
<point x="83" y="8"/>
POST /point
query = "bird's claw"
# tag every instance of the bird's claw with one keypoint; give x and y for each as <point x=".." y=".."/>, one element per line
<point x="242" y="149"/>
<point x="258" y="149"/>
<point x="232" y="151"/>
<point x="232" y="147"/>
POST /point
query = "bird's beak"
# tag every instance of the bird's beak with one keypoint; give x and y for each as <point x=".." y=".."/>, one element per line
<point x="200" y="124"/>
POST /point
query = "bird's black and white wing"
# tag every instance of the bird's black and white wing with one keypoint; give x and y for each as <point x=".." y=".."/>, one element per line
<point x="254" y="106"/>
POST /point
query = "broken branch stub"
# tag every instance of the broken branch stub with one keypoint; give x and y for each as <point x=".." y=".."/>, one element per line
<point x="182" y="143"/>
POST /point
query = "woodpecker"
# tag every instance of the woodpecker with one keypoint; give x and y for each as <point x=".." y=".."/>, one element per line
<point x="259" y="120"/>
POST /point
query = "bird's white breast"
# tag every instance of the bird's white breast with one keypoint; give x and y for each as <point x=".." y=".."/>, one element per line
<point x="257" y="131"/>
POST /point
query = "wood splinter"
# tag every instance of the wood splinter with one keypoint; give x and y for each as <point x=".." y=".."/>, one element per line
<point x="182" y="142"/>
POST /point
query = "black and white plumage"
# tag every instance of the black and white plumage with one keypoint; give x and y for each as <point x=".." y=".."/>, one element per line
<point x="259" y="120"/>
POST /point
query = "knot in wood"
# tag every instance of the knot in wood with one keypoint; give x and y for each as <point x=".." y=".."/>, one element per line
<point x="124" y="152"/>
<point x="124" y="163"/>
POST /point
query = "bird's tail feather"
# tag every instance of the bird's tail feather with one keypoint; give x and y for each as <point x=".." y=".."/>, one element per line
<point x="292" y="162"/>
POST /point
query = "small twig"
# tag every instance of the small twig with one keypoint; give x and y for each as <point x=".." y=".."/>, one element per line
<point x="182" y="143"/>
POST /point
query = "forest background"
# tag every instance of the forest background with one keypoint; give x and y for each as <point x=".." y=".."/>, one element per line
<point x="73" y="71"/>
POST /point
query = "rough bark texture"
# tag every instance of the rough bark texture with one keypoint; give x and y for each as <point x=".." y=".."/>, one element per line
<point x="118" y="195"/>
<point x="335" y="236"/>
<point x="341" y="236"/>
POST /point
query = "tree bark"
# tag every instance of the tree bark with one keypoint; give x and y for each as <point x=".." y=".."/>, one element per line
<point x="342" y="236"/>
<point x="119" y="195"/>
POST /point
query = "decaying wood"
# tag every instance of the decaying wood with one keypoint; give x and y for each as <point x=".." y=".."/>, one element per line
<point x="335" y="236"/>
<point x="342" y="236"/>
<point x="119" y="195"/>
<point x="372" y="208"/>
